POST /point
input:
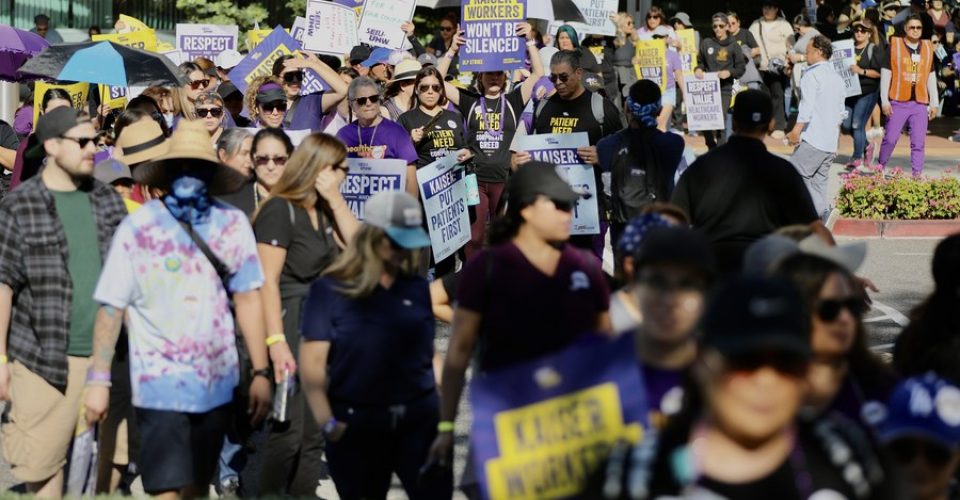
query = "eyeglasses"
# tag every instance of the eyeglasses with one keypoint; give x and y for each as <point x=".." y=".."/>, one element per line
<point x="906" y="451"/>
<point x="719" y="26"/>
<point x="447" y="29"/>
<point x="829" y="310"/>
<point x="563" y="77"/>
<point x="785" y="363"/>
<point x="263" y="160"/>
<point x="424" y="88"/>
<point x="935" y="42"/>
<point x="914" y="27"/>
<point x="344" y="167"/>
<point x="563" y="206"/>
<point x="199" y="84"/>
<point x="270" y="107"/>
<point x="81" y="141"/>
<point x="362" y="101"/>
<point x="293" y="77"/>
<point x="205" y="112"/>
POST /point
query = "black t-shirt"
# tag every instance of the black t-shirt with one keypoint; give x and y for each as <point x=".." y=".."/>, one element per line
<point x="309" y="251"/>
<point x="744" y="37"/>
<point x="739" y="193"/>
<point x="559" y="116"/>
<point x="247" y="199"/>
<point x="8" y="137"/>
<point x="444" y="136"/>
<point x="874" y="62"/>
<point x="490" y="131"/>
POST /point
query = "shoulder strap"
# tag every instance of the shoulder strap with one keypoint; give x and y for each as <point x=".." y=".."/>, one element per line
<point x="222" y="270"/>
<point x="596" y="104"/>
<point x="288" y="117"/>
<point x="540" y="105"/>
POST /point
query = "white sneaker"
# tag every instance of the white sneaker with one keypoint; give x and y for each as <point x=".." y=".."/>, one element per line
<point x="778" y="135"/>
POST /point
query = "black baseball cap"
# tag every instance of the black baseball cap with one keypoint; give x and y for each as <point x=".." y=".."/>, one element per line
<point x="768" y="3"/>
<point x="755" y="314"/>
<point x="676" y="245"/>
<point x="753" y="108"/>
<point x="359" y="54"/>
<point x="51" y="125"/>
<point x="539" y="178"/>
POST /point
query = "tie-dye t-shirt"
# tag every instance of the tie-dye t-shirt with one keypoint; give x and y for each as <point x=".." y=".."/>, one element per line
<point x="183" y="355"/>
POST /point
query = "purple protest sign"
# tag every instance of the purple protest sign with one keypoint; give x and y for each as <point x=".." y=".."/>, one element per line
<point x="205" y="40"/>
<point x="259" y="62"/>
<point x="490" y="30"/>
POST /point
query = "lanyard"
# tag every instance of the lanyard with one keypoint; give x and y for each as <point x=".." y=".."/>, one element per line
<point x="373" y="136"/>
<point x="483" y="114"/>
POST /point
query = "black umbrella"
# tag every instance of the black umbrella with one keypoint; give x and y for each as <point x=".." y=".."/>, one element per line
<point x="103" y="62"/>
<point x="564" y="10"/>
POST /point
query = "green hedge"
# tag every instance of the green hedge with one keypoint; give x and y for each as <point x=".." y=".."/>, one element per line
<point x="897" y="196"/>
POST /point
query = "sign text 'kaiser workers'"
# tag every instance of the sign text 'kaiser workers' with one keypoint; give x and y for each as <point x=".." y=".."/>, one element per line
<point x="490" y="27"/>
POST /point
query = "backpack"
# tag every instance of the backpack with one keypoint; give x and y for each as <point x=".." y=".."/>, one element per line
<point x="596" y="105"/>
<point x="634" y="174"/>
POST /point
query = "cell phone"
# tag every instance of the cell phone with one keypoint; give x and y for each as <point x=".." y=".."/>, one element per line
<point x="282" y="397"/>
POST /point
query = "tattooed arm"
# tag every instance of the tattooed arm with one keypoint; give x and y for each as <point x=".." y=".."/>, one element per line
<point x="105" y="333"/>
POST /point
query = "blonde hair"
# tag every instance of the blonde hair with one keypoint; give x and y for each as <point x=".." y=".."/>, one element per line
<point x="360" y="266"/>
<point x="620" y="20"/>
<point x="296" y="184"/>
<point x="250" y="98"/>
<point x="182" y="105"/>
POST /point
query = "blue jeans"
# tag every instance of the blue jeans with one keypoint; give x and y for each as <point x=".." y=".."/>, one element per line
<point x="859" y="109"/>
<point x="227" y="454"/>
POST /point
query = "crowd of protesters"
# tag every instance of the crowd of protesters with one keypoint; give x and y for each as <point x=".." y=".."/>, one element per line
<point x="174" y="269"/>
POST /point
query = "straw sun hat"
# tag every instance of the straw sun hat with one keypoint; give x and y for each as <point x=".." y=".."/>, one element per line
<point x="190" y="152"/>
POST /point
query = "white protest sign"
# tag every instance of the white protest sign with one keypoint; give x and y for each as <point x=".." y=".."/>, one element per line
<point x="704" y="107"/>
<point x="561" y="150"/>
<point x="597" y="14"/>
<point x="368" y="177"/>
<point x="381" y="20"/>
<point x="298" y="28"/>
<point x="444" y="194"/>
<point x="330" y="28"/>
<point x="205" y="40"/>
<point x="844" y="56"/>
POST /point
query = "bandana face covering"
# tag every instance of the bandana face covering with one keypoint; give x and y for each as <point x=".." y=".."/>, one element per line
<point x="188" y="200"/>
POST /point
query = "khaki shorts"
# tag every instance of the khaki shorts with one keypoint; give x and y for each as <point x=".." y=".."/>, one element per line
<point x="42" y="421"/>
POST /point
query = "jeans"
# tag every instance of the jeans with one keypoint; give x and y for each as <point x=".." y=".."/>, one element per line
<point x="903" y="112"/>
<point x="858" y="114"/>
<point x="227" y="454"/>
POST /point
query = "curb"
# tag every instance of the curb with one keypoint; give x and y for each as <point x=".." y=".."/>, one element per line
<point x="862" y="228"/>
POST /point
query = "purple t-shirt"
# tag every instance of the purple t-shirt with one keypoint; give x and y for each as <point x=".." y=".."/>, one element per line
<point x="527" y="314"/>
<point x="673" y="64"/>
<point x="308" y="113"/>
<point x="664" y="393"/>
<point x="385" y="141"/>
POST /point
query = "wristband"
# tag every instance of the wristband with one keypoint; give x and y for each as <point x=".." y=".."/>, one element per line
<point x="98" y="383"/>
<point x="445" y="426"/>
<point x="276" y="339"/>
<point x="93" y="376"/>
<point x="263" y="372"/>
<point x="531" y="43"/>
<point x="3" y="359"/>
<point x="330" y="426"/>
<point x="449" y="55"/>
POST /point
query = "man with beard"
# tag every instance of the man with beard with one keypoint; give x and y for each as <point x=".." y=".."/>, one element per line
<point x="55" y="230"/>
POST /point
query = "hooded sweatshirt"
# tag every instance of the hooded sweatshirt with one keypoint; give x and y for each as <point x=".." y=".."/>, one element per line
<point x="716" y="55"/>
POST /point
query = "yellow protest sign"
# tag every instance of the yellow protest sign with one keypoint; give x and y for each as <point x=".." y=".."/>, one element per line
<point x="651" y="62"/>
<point x="127" y="24"/>
<point x="114" y="97"/>
<point x="548" y="449"/>
<point x="688" y="50"/>
<point x="78" y="95"/>
<point x="142" y="39"/>
<point x="254" y="37"/>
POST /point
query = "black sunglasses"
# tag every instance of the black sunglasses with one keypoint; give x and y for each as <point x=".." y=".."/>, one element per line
<point x="829" y="310"/>
<point x="262" y="160"/>
<point x="563" y="206"/>
<point x="447" y="29"/>
<point x="293" y="77"/>
<point x="214" y="112"/>
<point x="786" y="363"/>
<point x="81" y="141"/>
<point x="424" y="87"/>
<point x="563" y="77"/>
<point x="197" y="84"/>
<point x="862" y="30"/>
<point x="363" y="100"/>
<point x="715" y="26"/>
<point x="906" y="451"/>
<point x="270" y="107"/>
<point x="653" y="16"/>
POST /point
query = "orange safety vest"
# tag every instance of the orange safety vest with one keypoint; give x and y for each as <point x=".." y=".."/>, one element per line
<point x="909" y="74"/>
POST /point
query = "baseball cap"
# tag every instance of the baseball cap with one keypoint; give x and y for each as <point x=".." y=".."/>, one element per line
<point x="270" y="92"/>
<point x="399" y="215"/>
<point x="850" y="256"/>
<point x="755" y="314"/>
<point x="111" y="170"/>
<point x="539" y="178"/>
<point x="359" y="54"/>
<point x="770" y="3"/>
<point x="675" y="245"/>
<point x="753" y="107"/>
<point x="662" y="31"/>
<point x="51" y="125"/>
<point x="228" y="59"/>
<point x="925" y="406"/>
<point x="379" y="55"/>
<point x="428" y="59"/>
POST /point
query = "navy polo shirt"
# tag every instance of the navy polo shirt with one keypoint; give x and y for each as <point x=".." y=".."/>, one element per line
<point x="381" y="346"/>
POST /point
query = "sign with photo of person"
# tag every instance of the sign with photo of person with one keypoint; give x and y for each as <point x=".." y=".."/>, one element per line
<point x="368" y="177"/>
<point x="491" y="33"/>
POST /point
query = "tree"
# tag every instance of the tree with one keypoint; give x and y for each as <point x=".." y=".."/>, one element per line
<point x="222" y="12"/>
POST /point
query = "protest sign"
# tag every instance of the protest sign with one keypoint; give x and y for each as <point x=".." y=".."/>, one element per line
<point x="444" y="194"/>
<point x="330" y="28"/>
<point x="491" y="33"/>
<point x="652" y="62"/>
<point x="704" y="107"/>
<point x="356" y="5"/>
<point x="176" y="57"/>
<point x="127" y="24"/>
<point x="380" y="22"/>
<point x="561" y="150"/>
<point x="255" y="37"/>
<point x="113" y="97"/>
<point x="541" y="429"/>
<point x="140" y="39"/>
<point x="78" y="95"/>
<point x="956" y="61"/>
<point x="205" y="40"/>
<point x="597" y="14"/>
<point x="259" y="62"/>
<point x="844" y="56"/>
<point x="298" y="28"/>
<point x="688" y="50"/>
<point x="368" y="177"/>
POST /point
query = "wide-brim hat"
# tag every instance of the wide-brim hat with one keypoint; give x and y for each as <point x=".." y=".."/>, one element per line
<point x="406" y="70"/>
<point x="139" y="142"/>
<point x="190" y="152"/>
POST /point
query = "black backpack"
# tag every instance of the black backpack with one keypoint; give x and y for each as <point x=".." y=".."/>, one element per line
<point x="635" y="174"/>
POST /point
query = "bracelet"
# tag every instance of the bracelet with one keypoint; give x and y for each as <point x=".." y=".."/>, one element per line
<point x="449" y="55"/>
<point x="445" y="426"/>
<point x="99" y="383"/>
<point x="263" y="372"/>
<point x="531" y="43"/>
<point x="276" y="339"/>
<point x="93" y="376"/>
<point x="3" y="359"/>
<point x="330" y="426"/>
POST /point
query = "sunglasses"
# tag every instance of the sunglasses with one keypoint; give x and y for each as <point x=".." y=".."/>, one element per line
<point x="653" y="16"/>
<point x="563" y="206"/>
<point x="719" y="26"/>
<point x="270" y="107"/>
<point x="81" y="141"/>
<point x="362" y="101"/>
<point x="935" y="42"/>
<point x="205" y="112"/>
<point x="428" y="87"/>
<point x="661" y="283"/>
<point x="263" y="160"/>
<point x="563" y="77"/>
<point x="862" y="30"/>
<point x="914" y="27"/>
<point x="447" y="29"/>
<point x="789" y="364"/>
<point x="906" y="451"/>
<point x="829" y="310"/>
<point x="293" y="77"/>
<point x="200" y="84"/>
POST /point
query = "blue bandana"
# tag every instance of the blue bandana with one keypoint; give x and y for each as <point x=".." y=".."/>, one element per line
<point x="188" y="200"/>
<point x="637" y="229"/>
<point x="644" y="113"/>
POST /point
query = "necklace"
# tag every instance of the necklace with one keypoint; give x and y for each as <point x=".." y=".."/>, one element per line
<point x="372" y="136"/>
